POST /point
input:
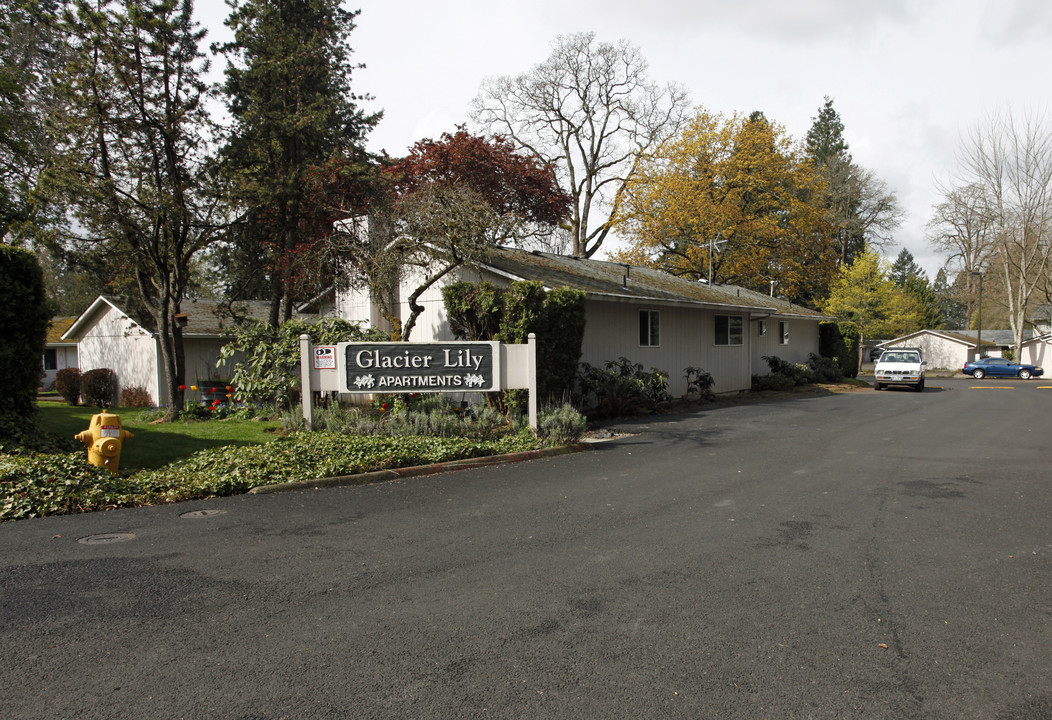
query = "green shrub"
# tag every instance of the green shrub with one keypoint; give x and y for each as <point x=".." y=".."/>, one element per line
<point x="840" y="340"/>
<point x="307" y="456"/>
<point x="825" y="369"/>
<point x="481" y="311"/>
<point x="434" y="415"/>
<point x="67" y="384"/>
<point x="33" y="486"/>
<point x="559" y="341"/>
<point x="620" y="388"/>
<point x="58" y="484"/>
<point x="136" y="397"/>
<point x="24" y="317"/>
<point x="700" y="383"/>
<point x="561" y="425"/>
<point x="98" y="388"/>
<point x="799" y="374"/>
<point x="786" y="375"/>
<point x="773" y="381"/>
<point x="269" y="374"/>
<point x="474" y="309"/>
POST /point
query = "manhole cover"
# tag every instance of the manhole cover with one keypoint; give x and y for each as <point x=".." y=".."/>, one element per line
<point x="105" y="538"/>
<point x="202" y="513"/>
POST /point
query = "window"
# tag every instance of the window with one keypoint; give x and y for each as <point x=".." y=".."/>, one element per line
<point x="649" y="328"/>
<point x="50" y="359"/>
<point x="762" y="328"/>
<point x="729" y="330"/>
<point x="783" y="333"/>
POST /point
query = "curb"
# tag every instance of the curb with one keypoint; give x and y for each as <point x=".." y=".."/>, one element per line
<point x="418" y="470"/>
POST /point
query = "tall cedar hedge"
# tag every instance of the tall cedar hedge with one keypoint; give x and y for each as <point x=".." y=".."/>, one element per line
<point x="482" y="311"/>
<point x="840" y="340"/>
<point x="24" y="317"/>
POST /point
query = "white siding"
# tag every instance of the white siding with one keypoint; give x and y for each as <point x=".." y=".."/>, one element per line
<point x="687" y="340"/>
<point x="939" y="352"/>
<point x="355" y="305"/>
<point x="117" y="342"/>
<point x="1037" y="352"/>
<point x="65" y="357"/>
<point x="803" y="340"/>
<point x="201" y="357"/>
<point x="612" y="331"/>
<point x="432" y="323"/>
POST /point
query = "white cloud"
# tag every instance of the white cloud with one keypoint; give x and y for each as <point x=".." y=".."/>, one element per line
<point x="908" y="78"/>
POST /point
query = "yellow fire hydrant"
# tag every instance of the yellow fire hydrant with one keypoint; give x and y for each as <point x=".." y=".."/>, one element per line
<point x="104" y="439"/>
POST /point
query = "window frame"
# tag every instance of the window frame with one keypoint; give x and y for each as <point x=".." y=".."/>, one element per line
<point x="731" y="333"/>
<point x="783" y="332"/>
<point x="650" y="324"/>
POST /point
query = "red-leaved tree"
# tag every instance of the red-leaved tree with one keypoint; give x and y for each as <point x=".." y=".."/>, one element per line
<point x="519" y="188"/>
<point x="445" y="202"/>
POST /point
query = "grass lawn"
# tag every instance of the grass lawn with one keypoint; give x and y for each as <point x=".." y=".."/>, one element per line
<point x="157" y="445"/>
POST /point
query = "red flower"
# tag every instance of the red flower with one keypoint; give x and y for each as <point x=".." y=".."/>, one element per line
<point x="182" y="387"/>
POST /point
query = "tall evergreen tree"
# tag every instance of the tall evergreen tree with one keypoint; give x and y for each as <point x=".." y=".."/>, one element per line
<point x="130" y="166"/>
<point x="288" y="92"/>
<point x="911" y="278"/>
<point x="31" y="55"/>
<point x="862" y="209"/>
<point x="825" y="140"/>
<point x="905" y="269"/>
<point x="952" y="311"/>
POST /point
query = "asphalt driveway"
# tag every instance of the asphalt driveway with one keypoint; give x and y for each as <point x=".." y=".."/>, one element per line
<point x="865" y="555"/>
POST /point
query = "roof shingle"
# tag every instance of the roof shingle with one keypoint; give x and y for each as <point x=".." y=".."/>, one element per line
<point x="617" y="280"/>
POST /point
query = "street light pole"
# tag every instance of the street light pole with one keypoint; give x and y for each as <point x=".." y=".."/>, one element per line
<point x="979" y="334"/>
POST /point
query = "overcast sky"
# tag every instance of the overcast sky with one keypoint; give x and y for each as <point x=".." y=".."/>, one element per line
<point x="910" y="79"/>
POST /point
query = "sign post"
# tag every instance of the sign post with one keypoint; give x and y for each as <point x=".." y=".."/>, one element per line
<point x="402" y="367"/>
<point x="390" y="367"/>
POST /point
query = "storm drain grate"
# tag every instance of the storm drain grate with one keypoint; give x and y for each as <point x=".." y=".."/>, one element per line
<point x="202" y="513"/>
<point x="106" y="538"/>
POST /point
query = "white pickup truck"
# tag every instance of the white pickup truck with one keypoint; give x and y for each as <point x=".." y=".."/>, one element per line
<point x="900" y="366"/>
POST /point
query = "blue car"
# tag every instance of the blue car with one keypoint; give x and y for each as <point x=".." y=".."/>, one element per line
<point x="999" y="367"/>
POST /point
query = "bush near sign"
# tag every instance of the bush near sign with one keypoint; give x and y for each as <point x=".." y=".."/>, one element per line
<point x="398" y="367"/>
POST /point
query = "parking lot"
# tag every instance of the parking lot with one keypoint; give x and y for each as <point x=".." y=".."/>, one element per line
<point x="862" y="555"/>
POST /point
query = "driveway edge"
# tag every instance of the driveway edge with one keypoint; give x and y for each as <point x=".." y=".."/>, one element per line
<point x="418" y="470"/>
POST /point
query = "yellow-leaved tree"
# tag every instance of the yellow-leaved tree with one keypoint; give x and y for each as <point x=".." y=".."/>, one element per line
<point x="732" y="200"/>
<point x="864" y="293"/>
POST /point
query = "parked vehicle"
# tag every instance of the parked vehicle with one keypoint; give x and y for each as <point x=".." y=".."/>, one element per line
<point x="999" y="367"/>
<point x="900" y="366"/>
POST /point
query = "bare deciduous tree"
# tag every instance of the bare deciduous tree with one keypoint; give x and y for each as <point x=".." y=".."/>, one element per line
<point x="1008" y="162"/>
<point x="591" y="110"/>
<point x="423" y="237"/>
<point x="960" y="228"/>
